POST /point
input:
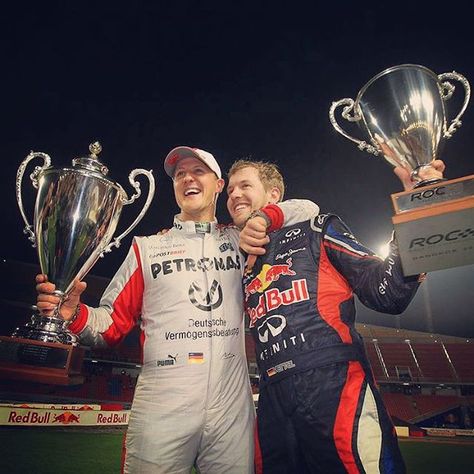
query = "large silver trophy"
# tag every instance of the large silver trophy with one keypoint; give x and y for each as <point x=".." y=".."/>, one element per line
<point x="76" y="215"/>
<point x="402" y="115"/>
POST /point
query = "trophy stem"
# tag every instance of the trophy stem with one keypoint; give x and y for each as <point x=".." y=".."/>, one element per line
<point x="425" y="175"/>
<point x="427" y="182"/>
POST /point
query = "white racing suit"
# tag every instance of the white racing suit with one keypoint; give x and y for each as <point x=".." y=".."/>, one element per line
<point x="192" y="403"/>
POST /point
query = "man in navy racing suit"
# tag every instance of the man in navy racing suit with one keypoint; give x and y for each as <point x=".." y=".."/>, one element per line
<point x="319" y="410"/>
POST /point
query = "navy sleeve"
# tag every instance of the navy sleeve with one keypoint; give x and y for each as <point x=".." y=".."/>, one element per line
<point x="379" y="284"/>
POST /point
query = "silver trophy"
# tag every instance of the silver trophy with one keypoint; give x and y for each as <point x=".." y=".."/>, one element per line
<point x="402" y="114"/>
<point x="76" y="214"/>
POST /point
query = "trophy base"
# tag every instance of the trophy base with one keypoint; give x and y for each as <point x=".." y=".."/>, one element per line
<point x="38" y="361"/>
<point x="434" y="226"/>
<point x="46" y="329"/>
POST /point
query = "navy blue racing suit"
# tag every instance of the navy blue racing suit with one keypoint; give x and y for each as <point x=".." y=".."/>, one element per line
<point x="319" y="410"/>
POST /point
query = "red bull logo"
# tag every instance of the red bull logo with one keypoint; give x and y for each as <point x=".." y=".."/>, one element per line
<point x="113" y="418"/>
<point x="268" y="274"/>
<point x="28" y="417"/>
<point x="274" y="298"/>
<point x="66" y="418"/>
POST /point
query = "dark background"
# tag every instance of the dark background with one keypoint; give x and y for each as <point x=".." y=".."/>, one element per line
<point x="237" y="79"/>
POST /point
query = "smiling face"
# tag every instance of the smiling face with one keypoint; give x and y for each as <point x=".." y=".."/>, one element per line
<point x="246" y="193"/>
<point x="195" y="189"/>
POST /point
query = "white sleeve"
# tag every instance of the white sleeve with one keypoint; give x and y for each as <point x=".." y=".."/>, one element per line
<point x="298" y="210"/>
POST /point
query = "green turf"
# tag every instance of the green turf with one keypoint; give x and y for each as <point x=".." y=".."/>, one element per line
<point x="42" y="451"/>
<point x="39" y="451"/>
<point x="434" y="457"/>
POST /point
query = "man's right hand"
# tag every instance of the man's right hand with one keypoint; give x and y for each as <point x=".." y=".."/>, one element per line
<point x="434" y="171"/>
<point x="47" y="301"/>
<point x="253" y="237"/>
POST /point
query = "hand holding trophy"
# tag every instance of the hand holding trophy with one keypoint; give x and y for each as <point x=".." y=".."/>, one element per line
<point x="76" y="214"/>
<point x="402" y="113"/>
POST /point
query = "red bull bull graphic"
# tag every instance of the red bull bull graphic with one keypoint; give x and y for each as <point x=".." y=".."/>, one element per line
<point x="268" y="274"/>
<point x="66" y="418"/>
<point x="274" y="298"/>
<point x="254" y="286"/>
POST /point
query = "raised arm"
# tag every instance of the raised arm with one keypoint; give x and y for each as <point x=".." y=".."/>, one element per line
<point x="379" y="283"/>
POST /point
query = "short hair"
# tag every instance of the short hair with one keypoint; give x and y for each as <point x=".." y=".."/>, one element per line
<point x="268" y="173"/>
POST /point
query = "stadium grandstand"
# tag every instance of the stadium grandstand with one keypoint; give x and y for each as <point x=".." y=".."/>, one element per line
<point x="426" y="380"/>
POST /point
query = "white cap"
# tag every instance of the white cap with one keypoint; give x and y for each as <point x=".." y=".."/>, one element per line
<point x="181" y="152"/>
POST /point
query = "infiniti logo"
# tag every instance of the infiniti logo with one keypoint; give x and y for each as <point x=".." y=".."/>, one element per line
<point x="273" y="325"/>
<point x="292" y="232"/>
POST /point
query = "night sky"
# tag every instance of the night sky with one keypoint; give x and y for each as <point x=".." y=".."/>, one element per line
<point x="238" y="79"/>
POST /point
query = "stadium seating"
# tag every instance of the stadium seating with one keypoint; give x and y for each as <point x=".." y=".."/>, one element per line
<point x="434" y="364"/>
<point x="399" y="361"/>
<point x="429" y="405"/>
<point x="377" y="368"/>
<point x="414" y="408"/>
<point x="462" y="357"/>
<point x="400" y="406"/>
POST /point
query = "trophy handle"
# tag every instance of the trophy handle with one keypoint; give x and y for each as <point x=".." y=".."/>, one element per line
<point x="447" y="90"/>
<point x="34" y="179"/>
<point x="349" y="107"/>
<point x="138" y="192"/>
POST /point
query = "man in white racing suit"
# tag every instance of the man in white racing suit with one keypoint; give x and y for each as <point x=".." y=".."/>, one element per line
<point x="192" y="403"/>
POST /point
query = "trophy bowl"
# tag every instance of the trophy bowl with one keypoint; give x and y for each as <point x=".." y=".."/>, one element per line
<point x="402" y="113"/>
<point x="75" y="218"/>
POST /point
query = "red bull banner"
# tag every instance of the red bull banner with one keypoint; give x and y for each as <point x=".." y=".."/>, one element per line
<point x="48" y="406"/>
<point x="12" y="416"/>
<point x="451" y="432"/>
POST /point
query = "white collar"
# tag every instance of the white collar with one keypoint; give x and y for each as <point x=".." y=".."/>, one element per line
<point x="192" y="227"/>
